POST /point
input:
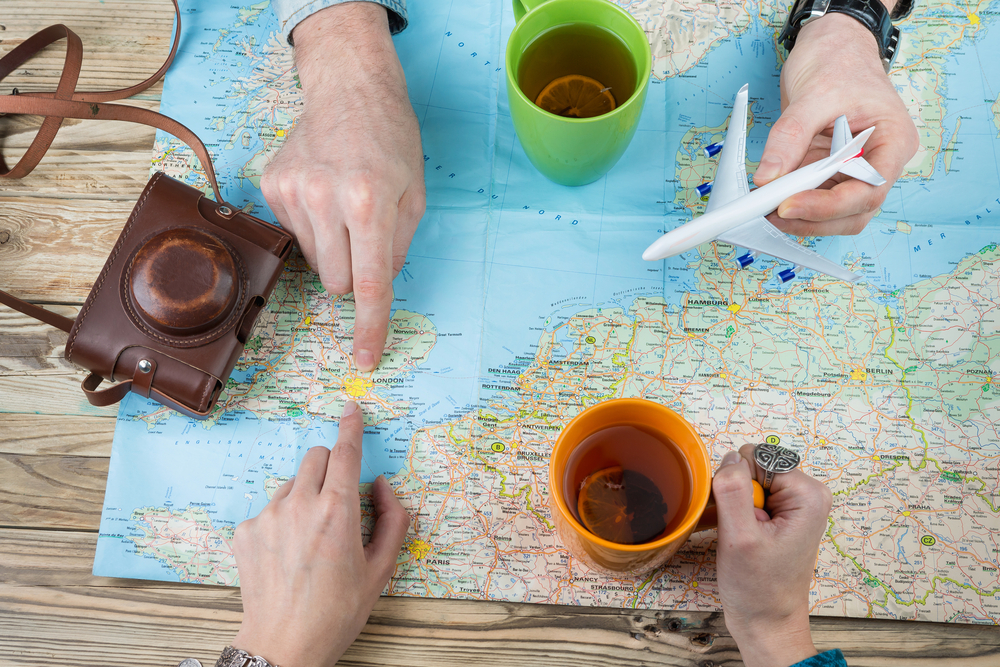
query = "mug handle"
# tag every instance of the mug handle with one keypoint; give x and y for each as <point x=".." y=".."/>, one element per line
<point x="522" y="7"/>
<point x="710" y="517"/>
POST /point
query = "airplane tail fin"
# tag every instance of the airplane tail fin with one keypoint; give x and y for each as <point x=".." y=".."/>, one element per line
<point x="841" y="134"/>
<point x="856" y="166"/>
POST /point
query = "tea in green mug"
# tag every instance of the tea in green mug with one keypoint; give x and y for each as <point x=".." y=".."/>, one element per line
<point x="589" y="64"/>
<point x="604" y="55"/>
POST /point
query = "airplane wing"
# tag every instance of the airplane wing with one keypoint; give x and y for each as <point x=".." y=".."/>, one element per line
<point x="731" y="174"/>
<point x="860" y="169"/>
<point x="760" y="235"/>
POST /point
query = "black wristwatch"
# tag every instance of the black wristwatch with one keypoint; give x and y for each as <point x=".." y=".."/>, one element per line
<point x="871" y="13"/>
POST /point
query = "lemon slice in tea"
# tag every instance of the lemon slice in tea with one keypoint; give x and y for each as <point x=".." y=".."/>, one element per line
<point x="622" y="506"/>
<point x="576" y="96"/>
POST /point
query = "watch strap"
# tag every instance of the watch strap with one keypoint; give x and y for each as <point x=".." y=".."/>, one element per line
<point x="872" y="14"/>
<point x="901" y="10"/>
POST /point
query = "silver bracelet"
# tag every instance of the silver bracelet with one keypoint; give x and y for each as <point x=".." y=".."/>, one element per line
<point x="231" y="657"/>
<point x="234" y="657"/>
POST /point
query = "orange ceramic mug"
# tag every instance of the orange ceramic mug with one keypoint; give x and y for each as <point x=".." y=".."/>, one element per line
<point x="698" y="513"/>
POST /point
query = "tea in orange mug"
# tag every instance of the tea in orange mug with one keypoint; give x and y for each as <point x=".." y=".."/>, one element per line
<point x="629" y="481"/>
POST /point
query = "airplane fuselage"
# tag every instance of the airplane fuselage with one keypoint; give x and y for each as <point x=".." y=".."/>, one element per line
<point x="762" y="201"/>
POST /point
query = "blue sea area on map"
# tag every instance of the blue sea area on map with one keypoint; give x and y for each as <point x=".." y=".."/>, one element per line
<point x="503" y="255"/>
<point x="599" y="238"/>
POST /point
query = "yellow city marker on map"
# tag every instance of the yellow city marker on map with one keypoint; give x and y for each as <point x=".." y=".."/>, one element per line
<point x="419" y="548"/>
<point x="973" y="19"/>
<point x="279" y="133"/>
<point x="859" y="374"/>
<point x="357" y="387"/>
<point x="734" y="308"/>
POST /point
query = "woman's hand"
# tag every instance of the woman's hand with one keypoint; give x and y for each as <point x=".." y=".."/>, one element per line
<point x="308" y="584"/>
<point x="767" y="559"/>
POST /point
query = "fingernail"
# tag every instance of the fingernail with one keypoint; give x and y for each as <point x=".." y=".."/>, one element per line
<point x="769" y="168"/>
<point x="730" y="458"/>
<point x="791" y="212"/>
<point x="349" y="409"/>
<point x="365" y="360"/>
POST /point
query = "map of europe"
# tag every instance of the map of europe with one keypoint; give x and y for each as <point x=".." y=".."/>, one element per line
<point x="523" y="302"/>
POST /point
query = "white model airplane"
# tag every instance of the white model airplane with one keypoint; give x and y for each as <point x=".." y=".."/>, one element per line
<point x="735" y="215"/>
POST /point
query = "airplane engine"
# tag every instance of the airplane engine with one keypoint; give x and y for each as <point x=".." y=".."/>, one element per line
<point x="788" y="274"/>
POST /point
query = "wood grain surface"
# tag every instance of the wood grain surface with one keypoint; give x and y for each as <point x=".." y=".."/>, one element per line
<point x="56" y="434"/>
<point x="56" y="227"/>
<point x="55" y="248"/>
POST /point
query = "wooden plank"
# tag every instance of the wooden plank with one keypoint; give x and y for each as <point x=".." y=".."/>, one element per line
<point x="109" y="626"/>
<point x="63" y="492"/>
<point x="88" y="159"/>
<point x="83" y="625"/>
<point x="124" y="41"/>
<point x="54" y="249"/>
<point x="27" y="345"/>
<point x="439" y="632"/>
<point x="54" y="392"/>
<point x="543" y="635"/>
<point x="93" y="626"/>
<point x="46" y="586"/>
<point x="419" y="630"/>
<point x="76" y="135"/>
<point x="56" y="435"/>
<point x="405" y="631"/>
<point x="59" y="558"/>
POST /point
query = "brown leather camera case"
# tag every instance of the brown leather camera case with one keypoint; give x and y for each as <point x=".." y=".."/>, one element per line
<point x="179" y="295"/>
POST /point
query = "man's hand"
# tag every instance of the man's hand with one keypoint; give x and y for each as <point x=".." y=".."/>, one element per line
<point x="349" y="180"/>
<point x="766" y="562"/>
<point x="308" y="584"/>
<point x="835" y="70"/>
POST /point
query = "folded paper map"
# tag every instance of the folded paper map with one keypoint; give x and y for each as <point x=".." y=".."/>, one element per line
<point x="889" y="388"/>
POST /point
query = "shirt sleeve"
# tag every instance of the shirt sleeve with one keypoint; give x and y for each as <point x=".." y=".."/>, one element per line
<point x="832" y="658"/>
<point x="292" y="12"/>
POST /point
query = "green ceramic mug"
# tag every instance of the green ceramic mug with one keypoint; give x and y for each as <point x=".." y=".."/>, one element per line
<point x="575" y="151"/>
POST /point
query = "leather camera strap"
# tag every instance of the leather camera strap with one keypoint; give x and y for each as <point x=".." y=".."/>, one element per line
<point x="65" y="102"/>
<point x="47" y="316"/>
<point x="104" y="397"/>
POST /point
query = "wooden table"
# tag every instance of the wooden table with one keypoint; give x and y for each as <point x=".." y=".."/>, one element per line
<point x="56" y="229"/>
